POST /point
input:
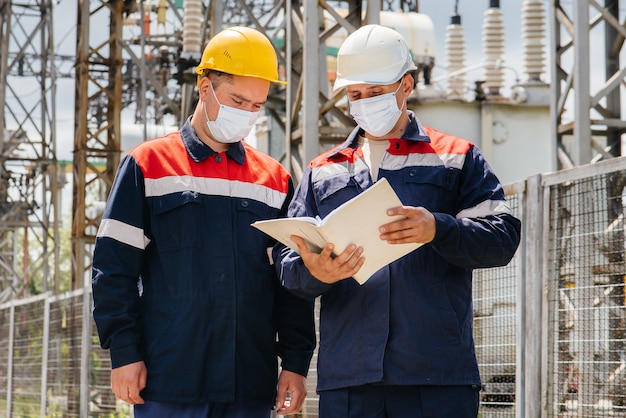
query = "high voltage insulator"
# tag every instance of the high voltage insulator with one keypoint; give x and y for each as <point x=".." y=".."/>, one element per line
<point x="533" y="29"/>
<point x="192" y="27"/>
<point x="161" y="14"/>
<point x="493" y="48"/>
<point x="455" y="48"/>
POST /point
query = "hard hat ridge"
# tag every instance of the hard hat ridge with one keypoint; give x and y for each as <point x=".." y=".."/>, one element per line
<point x="373" y="54"/>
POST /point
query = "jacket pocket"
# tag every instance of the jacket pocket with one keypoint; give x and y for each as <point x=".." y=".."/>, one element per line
<point x="251" y="240"/>
<point x="335" y="191"/>
<point x="432" y="188"/>
<point x="175" y="220"/>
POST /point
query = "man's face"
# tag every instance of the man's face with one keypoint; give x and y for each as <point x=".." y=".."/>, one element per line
<point x="365" y="91"/>
<point x="245" y="93"/>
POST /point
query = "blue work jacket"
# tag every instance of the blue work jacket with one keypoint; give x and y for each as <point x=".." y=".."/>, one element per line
<point x="411" y="322"/>
<point x="183" y="282"/>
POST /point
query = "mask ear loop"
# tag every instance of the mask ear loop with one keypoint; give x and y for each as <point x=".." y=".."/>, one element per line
<point x="395" y="93"/>
<point x="206" y="115"/>
<point x="214" y="95"/>
<point x="398" y="89"/>
<point x="204" y="103"/>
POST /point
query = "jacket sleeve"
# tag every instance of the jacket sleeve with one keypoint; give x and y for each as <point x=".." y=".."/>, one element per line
<point x="292" y="272"/>
<point x="295" y="323"/>
<point x="117" y="260"/>
<point x="483" y="233"/>
<point x="296" y="331"/>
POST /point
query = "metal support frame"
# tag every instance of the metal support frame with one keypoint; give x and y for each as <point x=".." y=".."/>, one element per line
<point x="97" y="135"/>
<point x="587" y="120"/>
<point x="28" y="168"/>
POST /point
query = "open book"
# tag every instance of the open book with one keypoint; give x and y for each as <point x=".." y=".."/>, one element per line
<point x="354" y="222"/>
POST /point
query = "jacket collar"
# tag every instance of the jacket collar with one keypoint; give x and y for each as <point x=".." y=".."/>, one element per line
<point x="200" y="151"/>
<point x="414" y="132"/>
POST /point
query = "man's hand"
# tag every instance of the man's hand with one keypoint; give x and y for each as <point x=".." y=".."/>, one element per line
<point x="293" y="384"/>
<point x="419" y="226"/>
<point x="127" y="381"/>
<point x="326" y="268"/>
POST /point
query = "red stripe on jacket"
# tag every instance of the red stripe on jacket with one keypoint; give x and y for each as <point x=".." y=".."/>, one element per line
<point x="167" y="156"/>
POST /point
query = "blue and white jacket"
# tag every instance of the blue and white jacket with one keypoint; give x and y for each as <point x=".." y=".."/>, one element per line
<point x="183" y="282"/>
<point x="410" y="323"/>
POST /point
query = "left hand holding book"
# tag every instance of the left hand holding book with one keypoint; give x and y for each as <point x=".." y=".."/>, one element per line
<point x="354" y="222"/>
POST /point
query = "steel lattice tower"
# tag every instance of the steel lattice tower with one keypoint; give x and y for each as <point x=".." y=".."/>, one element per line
<point x="28" y="166"/>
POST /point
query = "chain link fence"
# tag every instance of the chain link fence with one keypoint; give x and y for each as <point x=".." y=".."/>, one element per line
<point x="586" y="328"/>
<point x="51" y="364"/>
<point x="549" y="327"/>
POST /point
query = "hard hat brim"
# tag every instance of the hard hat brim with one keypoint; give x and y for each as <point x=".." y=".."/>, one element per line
<point x="342" y="82"/>
<point x="199" y="72"/>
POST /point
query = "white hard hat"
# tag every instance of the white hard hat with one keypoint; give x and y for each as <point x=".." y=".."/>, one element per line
<point x="373" y="54"/>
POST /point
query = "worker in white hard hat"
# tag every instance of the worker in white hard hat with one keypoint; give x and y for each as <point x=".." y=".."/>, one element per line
<point x="185" y="296"/>
<point x="400" y="344"/>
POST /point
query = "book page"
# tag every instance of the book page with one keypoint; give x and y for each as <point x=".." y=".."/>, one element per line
<point x="305" y="227"/>
<point x="357" y="222"/>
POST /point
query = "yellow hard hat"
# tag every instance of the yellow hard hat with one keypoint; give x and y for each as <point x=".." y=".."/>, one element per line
<point x="241" y="51"/>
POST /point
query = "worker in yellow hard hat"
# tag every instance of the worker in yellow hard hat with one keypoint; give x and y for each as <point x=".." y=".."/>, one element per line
<point x="185" y="296"/>
<point x="242" y="62"/>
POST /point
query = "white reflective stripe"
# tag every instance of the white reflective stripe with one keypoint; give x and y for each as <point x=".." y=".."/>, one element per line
<point x="264" y="194"/>
<point x="124" y="233"/>
<point x="327" y="171"/>
<point x="397" y="162"/>
<point x="216" y="187"/>
<point x="486" y="208"/>
<point x="453" y="160"/>
<point x="331" y="170"/>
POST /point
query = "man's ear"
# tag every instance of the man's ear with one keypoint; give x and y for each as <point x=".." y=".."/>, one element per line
<point x="203" y="87"/>
<point x="408" y="84"/>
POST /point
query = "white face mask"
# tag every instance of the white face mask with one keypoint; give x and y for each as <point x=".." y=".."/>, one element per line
<point x="377" y="115"/>
<point x="231" y="124"/>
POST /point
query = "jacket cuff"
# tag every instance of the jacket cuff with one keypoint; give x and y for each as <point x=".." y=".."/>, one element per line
<point x="296" y="361"/>
<point x="447" y="230"/>
<point x="125" y="355"/>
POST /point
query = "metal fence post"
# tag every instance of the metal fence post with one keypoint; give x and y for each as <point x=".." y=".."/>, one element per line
<point x="44" y="361"/>
<point x="10" y="358"/>
<point x="85" y="353"/>
<point x="530" y="298"/>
